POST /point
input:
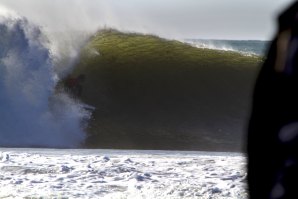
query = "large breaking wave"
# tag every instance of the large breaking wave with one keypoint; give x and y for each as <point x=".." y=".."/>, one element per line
<point x="32" y="113"/>
<point x="152" y="93"/>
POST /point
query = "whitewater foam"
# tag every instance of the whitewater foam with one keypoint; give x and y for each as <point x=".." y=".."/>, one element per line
<point x="109" y="174"/>
<point x="32" y="112"/>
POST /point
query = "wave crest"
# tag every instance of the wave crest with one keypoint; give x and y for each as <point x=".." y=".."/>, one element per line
<point x="32" y="113"/>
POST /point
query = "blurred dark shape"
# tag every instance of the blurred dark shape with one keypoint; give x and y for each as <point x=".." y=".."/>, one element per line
<point x="74" y="85"/>
<point x="273" y="128"/>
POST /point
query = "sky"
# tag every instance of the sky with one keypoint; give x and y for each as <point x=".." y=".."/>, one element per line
<point x="180" y="19"/>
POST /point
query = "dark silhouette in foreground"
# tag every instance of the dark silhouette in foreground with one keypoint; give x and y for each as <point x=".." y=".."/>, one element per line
<point x="273" y="128"/>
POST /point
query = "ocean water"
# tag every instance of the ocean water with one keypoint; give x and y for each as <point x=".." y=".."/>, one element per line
<point x="34" y="114"/>
<point x="201" y="106"/>
<point x="118" y="174"/>
<point x="247" y="47"/>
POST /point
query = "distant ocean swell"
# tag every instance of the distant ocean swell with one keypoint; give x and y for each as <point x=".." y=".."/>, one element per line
<point x="32" y="113"/>
<point x="245" y="47"/>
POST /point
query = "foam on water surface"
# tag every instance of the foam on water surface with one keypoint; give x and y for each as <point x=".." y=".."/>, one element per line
<point x="121" y="174"/>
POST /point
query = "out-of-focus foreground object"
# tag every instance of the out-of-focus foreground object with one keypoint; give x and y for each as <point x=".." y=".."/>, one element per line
<point x="273" y="128"/>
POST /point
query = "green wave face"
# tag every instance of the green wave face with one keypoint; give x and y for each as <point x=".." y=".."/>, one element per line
<point x="152" y="93"/>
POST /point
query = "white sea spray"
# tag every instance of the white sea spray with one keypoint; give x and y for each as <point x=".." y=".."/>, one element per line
<point x="32" y="112"/>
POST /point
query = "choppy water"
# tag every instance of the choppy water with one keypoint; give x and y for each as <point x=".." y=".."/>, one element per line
<point x="121" y="174"/>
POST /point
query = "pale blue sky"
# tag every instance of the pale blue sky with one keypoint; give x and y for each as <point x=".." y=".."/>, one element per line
<point x="214" y="19"/>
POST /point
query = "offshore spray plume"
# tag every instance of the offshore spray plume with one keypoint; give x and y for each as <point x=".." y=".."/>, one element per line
<point x="32" y="113"/>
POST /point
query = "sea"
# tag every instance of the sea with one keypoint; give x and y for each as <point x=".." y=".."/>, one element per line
<point x="34" y="114"/>
<point x="246" y="47"/>
<point x="119" y="174"/>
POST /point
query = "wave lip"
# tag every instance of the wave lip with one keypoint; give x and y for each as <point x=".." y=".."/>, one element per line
<point x="33" y="114"/>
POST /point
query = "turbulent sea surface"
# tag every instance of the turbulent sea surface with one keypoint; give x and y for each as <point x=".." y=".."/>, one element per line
<point x="196" y="108"/>
<point x="115" y="174"/>
<point x="32" y="112"/>
<point x="35" y="114"/>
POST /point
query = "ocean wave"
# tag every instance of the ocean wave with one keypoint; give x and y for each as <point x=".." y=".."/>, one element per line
<point x="152" y="93"/>
<point x="32" y="113"/>
<point x="244" y="47"/>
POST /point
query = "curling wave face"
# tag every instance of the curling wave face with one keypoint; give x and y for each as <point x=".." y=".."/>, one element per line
<point x="152" y="93"/>
<point x="32" y="113"/>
